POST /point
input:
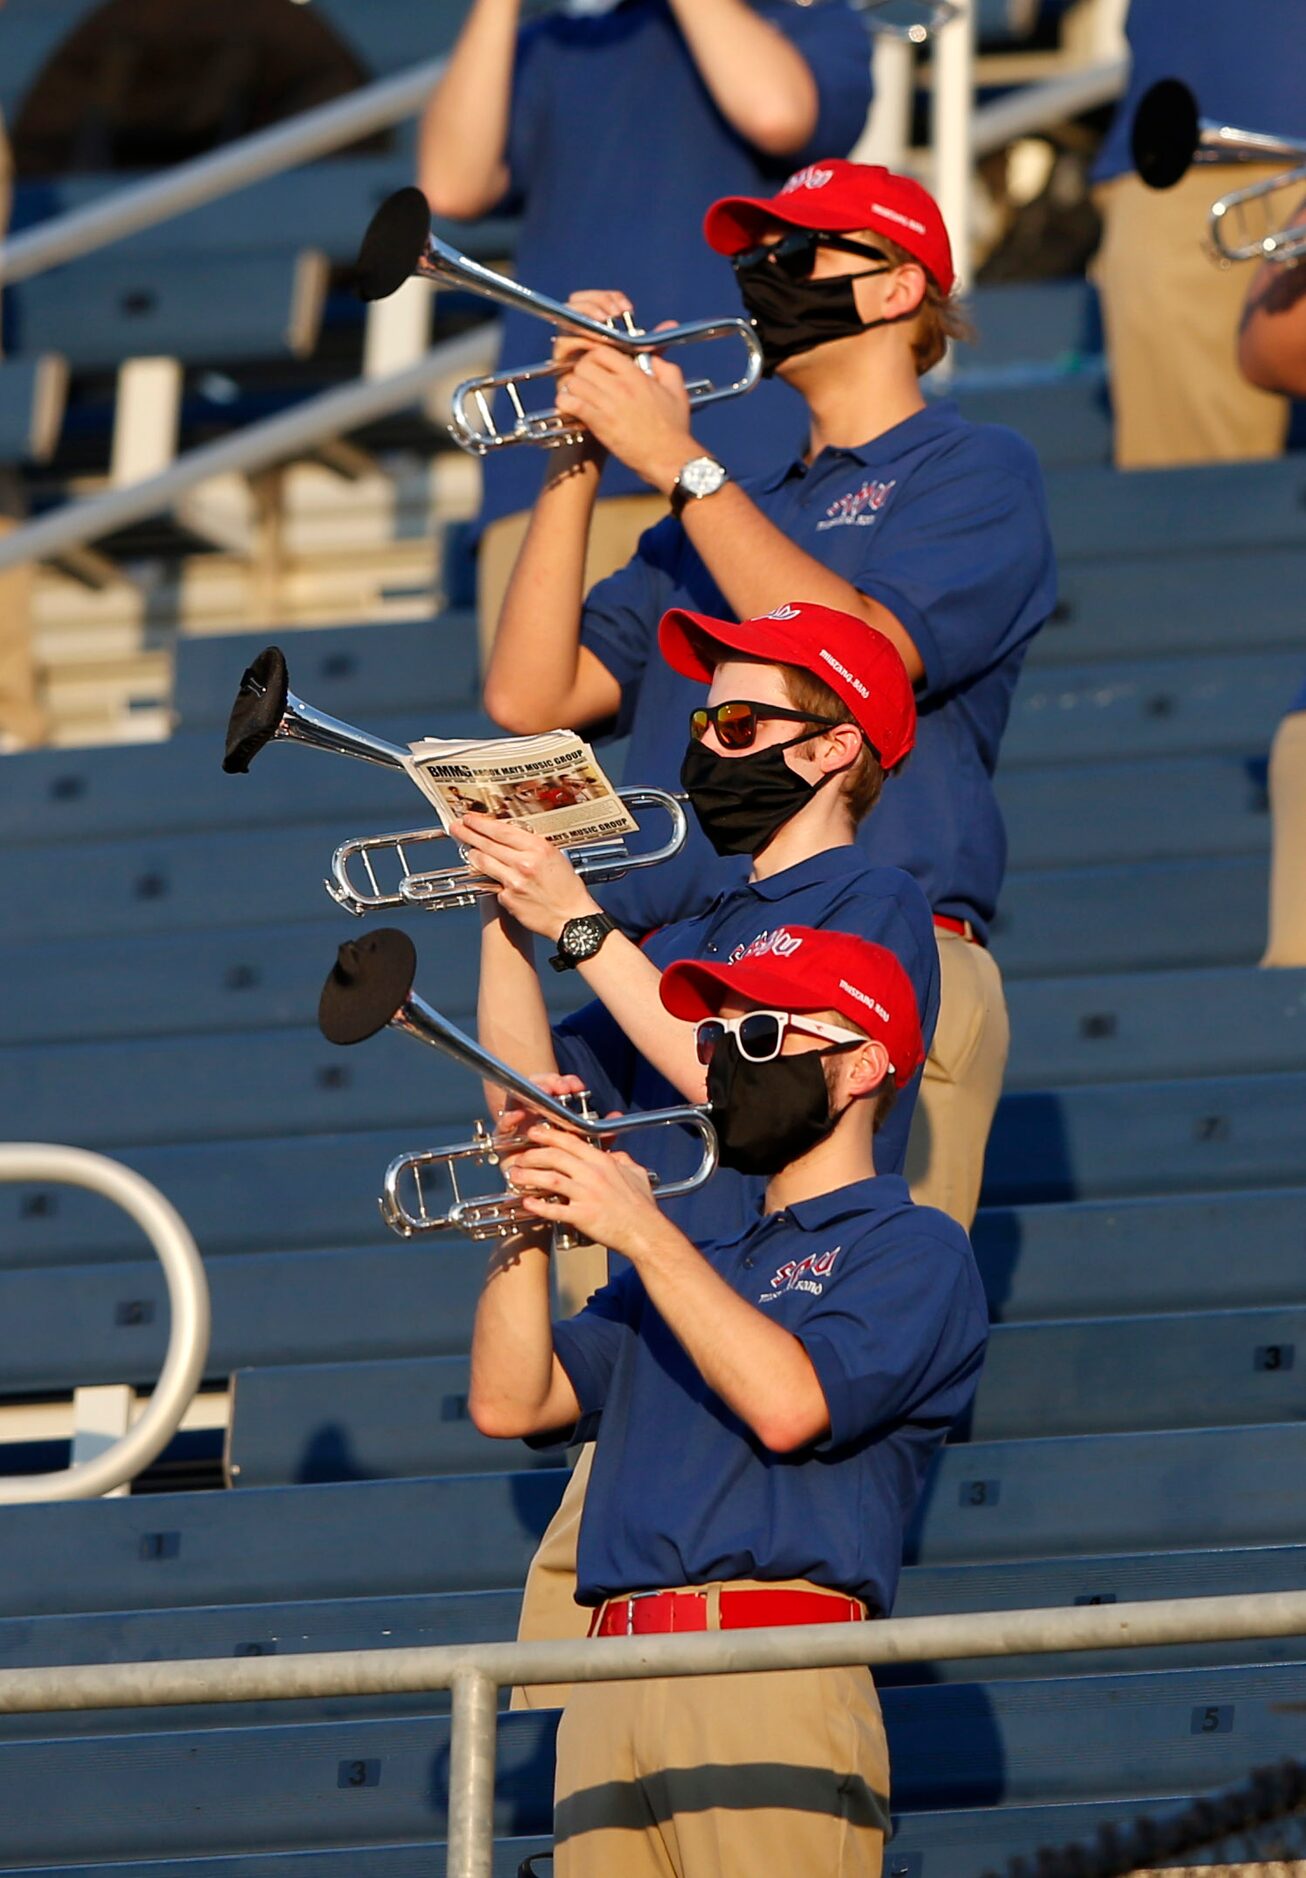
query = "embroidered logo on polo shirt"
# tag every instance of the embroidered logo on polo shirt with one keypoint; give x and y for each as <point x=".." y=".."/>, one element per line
<point x="810" y="178"/>
<point x="779" y="943"/>
<point x="859" y="508"/>
<point x="802" y="1275"/>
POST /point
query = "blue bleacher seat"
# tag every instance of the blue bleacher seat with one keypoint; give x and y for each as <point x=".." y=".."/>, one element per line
<point x="33" y="392"/>
<point x="425" y="1859"/>
<point x="1066" y="419"/>
<point x="1199" y="598"/>
<point x="1141" y="1024"/>
<point x="223" y="306"/>
<point x="1096" y="513"/>
<point x="1031" y="325"/>
<point x="1101" y="1258"/>
<point x="353" y="672"/>
<point x="368" y="1421"/>
<point x="363" y="1421"/>
<point x="1179" y="705"/>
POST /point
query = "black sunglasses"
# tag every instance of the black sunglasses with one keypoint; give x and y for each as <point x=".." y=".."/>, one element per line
<point x="736" y="722"/>
<point x="795" y="253"/>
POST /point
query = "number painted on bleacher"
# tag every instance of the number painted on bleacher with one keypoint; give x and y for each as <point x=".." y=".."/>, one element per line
<point x="1097" y="1597"/>
<point x="980" y="1492"/>
<point x="905" y="1865"/>
<point x="1216" y="1720"/>
<point x="358" y="1774"/>
<point x="132" y="1312"/>
<point x="453" y="1408"/>
<point x="1275" y="1356"/>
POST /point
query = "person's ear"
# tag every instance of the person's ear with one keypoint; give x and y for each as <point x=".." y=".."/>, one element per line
<point x="838" y="749"/>
<point x="905" y="293"/>
<point x="865" y="1069"/>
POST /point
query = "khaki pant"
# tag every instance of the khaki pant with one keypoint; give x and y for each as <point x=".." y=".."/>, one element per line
<point x="1171" y="317"/>
<point x="962" y="1081"/>
<point x="723" y="1777"/>
<point x="614" y="535"/>
<point x="945" y="1164"/>
<point x="22" y="721"/>
<point x="1287" y="944"/>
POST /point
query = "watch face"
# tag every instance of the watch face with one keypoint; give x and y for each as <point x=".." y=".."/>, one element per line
<point x="581" y="938"/>
<point x="703" y="476"/>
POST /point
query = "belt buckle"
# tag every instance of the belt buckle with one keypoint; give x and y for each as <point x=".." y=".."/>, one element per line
<point x="634" y="1598"/>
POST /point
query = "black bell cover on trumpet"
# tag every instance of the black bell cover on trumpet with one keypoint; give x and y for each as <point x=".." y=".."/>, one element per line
<point x="1165" y="133"/>
<point x="393" y="245"/>
<point x="367" y="985"/>
<point x="260" y="706"/>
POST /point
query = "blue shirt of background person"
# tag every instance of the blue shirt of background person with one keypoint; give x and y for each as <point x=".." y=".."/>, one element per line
<point x="615" y="150"/>
<point x="944" y="522"/>
<point x="837" y="891"/>
<point x="885" y="1298"/>
<point x="1243" y="64"/>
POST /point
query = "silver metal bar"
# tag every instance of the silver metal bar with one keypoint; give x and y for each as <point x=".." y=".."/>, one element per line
<point x="256" y="446"/>
<point x="311" y="134"/>
<point x="1035" y="107"/>
<point x="188" y="1306"/>
<point x="471" y="1776"/>
<point x="617" y="1659"/>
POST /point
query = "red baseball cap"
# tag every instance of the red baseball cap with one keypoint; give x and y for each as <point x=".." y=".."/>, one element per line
<point x="862" y="666"/>
<point x="839" y="198"/>
<point x="800" y="968"/>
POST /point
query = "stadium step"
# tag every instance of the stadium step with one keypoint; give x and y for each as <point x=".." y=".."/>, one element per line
<point x="385" y="1420"/>
<point x="986" y="1501"/>
<point x="1097" y="513"/>
<point x="421" y="1860"/>
<point x="1172" y="1252"/>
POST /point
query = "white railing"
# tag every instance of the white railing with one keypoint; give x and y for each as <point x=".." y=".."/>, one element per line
<point x="188" y="1304"/>
<point x="475" y="1673"/>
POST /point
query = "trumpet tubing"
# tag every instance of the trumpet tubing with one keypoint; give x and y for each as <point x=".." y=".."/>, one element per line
<point x="399" y="244"/>
<point x="370" y="989"/>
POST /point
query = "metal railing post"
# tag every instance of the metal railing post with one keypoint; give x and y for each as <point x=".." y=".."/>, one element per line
<point x="471" y="1775"/>
<point x="953" y="128"/>
<point x="188" y="1306"/>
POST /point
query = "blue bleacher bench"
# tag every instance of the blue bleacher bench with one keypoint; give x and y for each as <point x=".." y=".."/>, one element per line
<point x="1099" y="513"/>
<point x="33" y="394"/>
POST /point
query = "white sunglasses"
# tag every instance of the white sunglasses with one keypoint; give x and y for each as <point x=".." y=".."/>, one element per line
<point x="759" y="1034"/>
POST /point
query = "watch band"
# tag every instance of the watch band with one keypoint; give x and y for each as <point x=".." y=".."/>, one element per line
<point x="682" y="494"/>
<point x="563" y="960"/>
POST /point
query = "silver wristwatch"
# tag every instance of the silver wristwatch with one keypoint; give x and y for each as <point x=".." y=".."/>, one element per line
<point x="702" y="476"/>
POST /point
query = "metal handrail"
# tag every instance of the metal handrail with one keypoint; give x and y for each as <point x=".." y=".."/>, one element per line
<point x="188" y="1304"/>
<point x="476" y="1672"/>
<point x="298" y="140"/>
<point x="257" y="446"/>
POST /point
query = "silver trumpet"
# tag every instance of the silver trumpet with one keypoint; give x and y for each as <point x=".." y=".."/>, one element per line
<point x="399" y="244"/>
<point x="376" y="873"/>
<point x="1169" y="136"/>
<point x="370" y="989"/>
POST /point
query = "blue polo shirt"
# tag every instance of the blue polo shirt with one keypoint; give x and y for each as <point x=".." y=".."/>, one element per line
<point x="944" y="522"/>
<point x="885" y="1299"/>
<point x="1243" y="63"/>
<point x="616" y="149"/>
<point x="838" y="891"/>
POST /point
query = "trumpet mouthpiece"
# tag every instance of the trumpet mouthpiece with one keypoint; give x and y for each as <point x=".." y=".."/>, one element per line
<point x="367" y="986"/>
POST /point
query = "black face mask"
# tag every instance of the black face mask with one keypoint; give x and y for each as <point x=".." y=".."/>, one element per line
<point x="741" y="801"/>
<point x="767" y="1114"/>
<point x="792" y="316"/>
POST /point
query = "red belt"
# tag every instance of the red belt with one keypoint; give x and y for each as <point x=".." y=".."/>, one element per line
<point x="962" y="927"/>
<point x="655" y="1613"/>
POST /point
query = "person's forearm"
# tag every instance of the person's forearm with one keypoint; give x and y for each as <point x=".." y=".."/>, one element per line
<point x="539" y="676"/>
<point x="627" y="982"/>
<point x="512" y="1021"/>
<point x="518" y="1387"/>
<point x="759" y="1369"/>
<point x="761" y="84"/>
<point x="758" y="568"/>
<point x="464" y="132"/>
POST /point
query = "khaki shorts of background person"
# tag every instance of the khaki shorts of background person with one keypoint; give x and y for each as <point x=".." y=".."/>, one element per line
<point x="1287" y="942"/>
